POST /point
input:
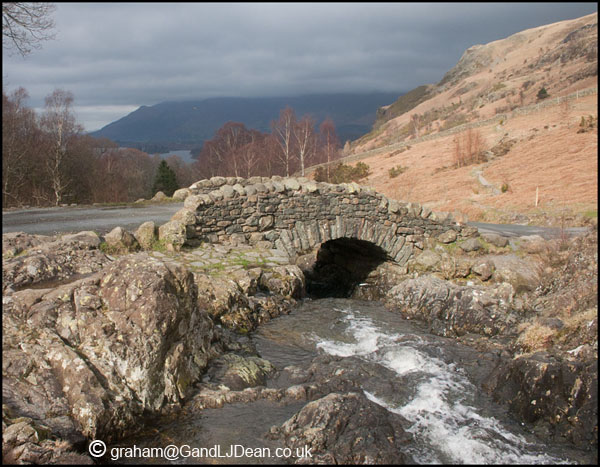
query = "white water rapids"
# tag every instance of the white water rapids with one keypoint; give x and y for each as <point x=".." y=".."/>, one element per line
<point x="448" y="428"/>
<point x="430" y="381"/>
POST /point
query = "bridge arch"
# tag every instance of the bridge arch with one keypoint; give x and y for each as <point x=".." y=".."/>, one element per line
<point x="297" y="215"/>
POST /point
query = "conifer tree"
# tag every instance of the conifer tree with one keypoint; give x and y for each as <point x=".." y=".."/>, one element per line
<point x="165" y="180"/>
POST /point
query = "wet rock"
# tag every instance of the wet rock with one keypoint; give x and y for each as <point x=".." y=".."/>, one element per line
<point x="344" y="428"/>
<point x="558" y="396"/>
<point x="212" y="396"/>
<point x="286" y="281"/>
<point x="239" y="372"/>
<point x="453" y="310"/>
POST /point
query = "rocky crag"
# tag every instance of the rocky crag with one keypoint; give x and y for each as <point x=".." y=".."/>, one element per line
<point x="98" y="333"/>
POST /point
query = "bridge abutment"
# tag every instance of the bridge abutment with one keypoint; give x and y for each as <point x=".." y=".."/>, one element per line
<point x="297" y="215"/>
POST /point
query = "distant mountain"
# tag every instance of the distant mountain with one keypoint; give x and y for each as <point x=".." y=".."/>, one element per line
<point x="174" y="124"/>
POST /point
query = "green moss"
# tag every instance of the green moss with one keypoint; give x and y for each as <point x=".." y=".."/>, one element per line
<point x="451" y="248"/>
<point x="159" y="245"/>
<point x="211" y="268"/>
<point x="21" y="253"/>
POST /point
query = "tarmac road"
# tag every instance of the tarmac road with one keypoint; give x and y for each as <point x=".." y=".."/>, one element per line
<point x="516" y="230"/>
<point x="51" y="221"/>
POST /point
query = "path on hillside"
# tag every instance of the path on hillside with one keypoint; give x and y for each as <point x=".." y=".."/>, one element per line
<point x="479" y="174"/>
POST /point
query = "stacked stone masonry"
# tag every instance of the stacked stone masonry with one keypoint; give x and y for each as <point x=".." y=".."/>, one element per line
<point x="296" y="215"/>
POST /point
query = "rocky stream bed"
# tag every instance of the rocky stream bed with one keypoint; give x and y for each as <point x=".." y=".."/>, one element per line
<point x="122" y="340"/>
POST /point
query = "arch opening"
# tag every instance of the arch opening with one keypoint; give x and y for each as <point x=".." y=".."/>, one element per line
<point x="342" y="267"/>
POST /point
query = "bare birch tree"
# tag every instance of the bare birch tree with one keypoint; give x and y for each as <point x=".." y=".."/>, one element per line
<point x="58" y="122"/>
<point x="329" y="143"/>
<point x="283" y="132"/>
<point x="304" y="137"/>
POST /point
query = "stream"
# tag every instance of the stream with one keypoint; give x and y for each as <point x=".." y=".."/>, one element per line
<point x="429" y="380"/>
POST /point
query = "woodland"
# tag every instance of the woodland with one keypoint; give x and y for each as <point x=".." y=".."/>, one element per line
<point x="49" y="160"/>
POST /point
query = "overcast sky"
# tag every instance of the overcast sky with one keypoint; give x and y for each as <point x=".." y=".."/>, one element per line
<point x="115" y="57"/>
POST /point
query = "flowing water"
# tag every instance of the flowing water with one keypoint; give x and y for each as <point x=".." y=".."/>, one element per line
<point x="450" y="419"/>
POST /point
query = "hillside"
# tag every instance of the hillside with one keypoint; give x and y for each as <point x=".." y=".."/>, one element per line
<point x="192" y="122"/>
<point x="528" y="144"/>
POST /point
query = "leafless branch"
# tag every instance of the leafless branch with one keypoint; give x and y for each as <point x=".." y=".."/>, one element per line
<point x="25" y="25"/>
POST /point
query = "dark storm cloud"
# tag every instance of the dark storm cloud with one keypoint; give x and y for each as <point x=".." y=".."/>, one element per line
<point x="115" y="56"/>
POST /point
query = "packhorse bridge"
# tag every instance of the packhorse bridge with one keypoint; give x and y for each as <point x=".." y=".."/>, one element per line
<point x="297" y="216"/>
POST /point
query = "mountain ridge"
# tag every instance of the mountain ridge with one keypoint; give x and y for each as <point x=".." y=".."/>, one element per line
<point x="196" y="120"/>
<point x="491" y="78"/>
<point x="531" y="100"/>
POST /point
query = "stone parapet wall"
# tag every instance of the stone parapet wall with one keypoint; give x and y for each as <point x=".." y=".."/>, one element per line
<point x="296" y="215"/>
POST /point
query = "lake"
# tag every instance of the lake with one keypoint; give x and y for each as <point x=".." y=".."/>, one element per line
<point x="185" y="155"/>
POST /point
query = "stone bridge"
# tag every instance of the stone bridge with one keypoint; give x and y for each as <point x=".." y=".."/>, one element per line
<point x="297" y="215"/>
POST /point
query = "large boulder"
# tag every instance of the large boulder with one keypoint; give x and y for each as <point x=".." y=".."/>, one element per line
<point x="427" y="260"/>
<point x="344" y="428"/>
<point x="159" y="196"/>
<point x="88" y="358"/>
<point x="287" y="281"/>
<point x="454" y="310"/>
<point x="219" y="295"/>
<point x="120" y="240"/>
<point x="559" y="397"/>
<point x="173" y="234"/>
<point x="146" y="235"/>
<point x="523" y="274"/>
<point x="239" y="372"/>
<point x="181" y="194"/>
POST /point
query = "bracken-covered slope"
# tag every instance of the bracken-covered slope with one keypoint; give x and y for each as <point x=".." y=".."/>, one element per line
<point x="532" y="144"/>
